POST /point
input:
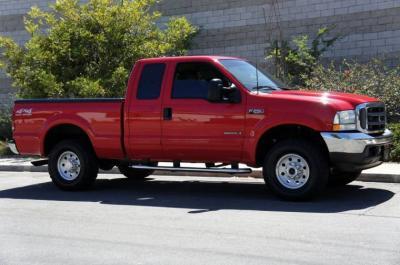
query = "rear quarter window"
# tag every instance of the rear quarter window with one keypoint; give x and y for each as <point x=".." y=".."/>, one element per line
<point x="151" y="81"/>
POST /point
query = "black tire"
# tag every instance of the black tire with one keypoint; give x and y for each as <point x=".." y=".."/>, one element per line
<point x="136" y="174"/>
<point x="316" y="161"/>
<point x="88" y="168"/>
<point x="339" y="178"/>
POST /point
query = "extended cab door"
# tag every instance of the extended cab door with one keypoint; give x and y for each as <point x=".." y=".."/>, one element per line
<point x="194" y="129"/>
<point x="143" y="111"/>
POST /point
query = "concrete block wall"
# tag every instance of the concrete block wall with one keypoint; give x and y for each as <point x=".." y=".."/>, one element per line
<point x="11" y="25"/>
<point x="370" y="28"/>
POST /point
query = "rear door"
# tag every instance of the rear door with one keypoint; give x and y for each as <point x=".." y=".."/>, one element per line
<point x="195" y="129"/>
<point x="143" y="111"/>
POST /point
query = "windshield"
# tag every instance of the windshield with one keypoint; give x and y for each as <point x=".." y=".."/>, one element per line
<point x="246" y="74"/>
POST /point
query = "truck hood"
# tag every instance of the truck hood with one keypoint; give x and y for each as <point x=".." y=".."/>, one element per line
<point x="338" y="100"/>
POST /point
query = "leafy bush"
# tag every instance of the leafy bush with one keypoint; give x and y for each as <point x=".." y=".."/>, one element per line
<point x="373" y="79"/>
<point x="395" y="154"/>
<point x="294" y="61"/>
<point x="5" y="124"/>
<point x="4" y="150"/>
<point x="87" y="50"/>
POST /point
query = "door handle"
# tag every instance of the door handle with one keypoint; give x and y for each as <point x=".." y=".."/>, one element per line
<point x="167" y="114"/>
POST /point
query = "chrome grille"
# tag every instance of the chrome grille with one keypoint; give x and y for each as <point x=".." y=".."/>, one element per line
<point x="371" y="117"/>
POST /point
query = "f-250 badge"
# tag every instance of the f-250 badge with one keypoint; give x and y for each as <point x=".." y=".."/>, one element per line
<point x="256" y="111"/>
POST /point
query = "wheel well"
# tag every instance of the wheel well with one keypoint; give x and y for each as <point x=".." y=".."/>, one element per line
<point x="63" y="132"/>
<point x="276" y="134"/>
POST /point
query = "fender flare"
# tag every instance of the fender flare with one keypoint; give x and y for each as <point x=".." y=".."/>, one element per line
<point x="265" y="126"/>
<point x="64" y="119"/>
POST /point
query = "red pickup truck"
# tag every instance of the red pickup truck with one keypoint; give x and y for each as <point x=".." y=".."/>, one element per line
<point x="220" y="111"/>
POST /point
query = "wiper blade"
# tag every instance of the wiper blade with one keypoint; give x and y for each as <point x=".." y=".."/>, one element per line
<point x="265" y="88"/>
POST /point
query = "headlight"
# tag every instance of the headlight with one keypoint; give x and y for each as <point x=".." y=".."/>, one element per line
<point x="344" y="120"/>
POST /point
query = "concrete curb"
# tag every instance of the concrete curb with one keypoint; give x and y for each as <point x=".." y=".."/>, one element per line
<point x="373" y="177"/>
<point x="367" y="177"/>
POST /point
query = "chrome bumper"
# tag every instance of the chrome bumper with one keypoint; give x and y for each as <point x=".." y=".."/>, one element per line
<point x="354" y="142"/>
<point x="12" y="146"/>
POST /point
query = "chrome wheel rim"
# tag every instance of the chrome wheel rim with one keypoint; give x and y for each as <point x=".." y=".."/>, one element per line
<point x="292" y="171"/>
<point x="69" y="165"/>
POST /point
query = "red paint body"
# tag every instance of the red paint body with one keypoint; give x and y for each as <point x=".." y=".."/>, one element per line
<point x="197" y="131"/>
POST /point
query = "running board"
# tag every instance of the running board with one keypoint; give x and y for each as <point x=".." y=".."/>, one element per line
<point x="39" y="163"/>
<point x="195" y="169"/>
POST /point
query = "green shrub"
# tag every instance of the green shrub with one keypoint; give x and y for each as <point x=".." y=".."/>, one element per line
<point x="395" y="154"/>
<point x="374" y="79"/>
<point x="4" y="150"/>
<point x="87" y="49"/>
<point x="295" y="60"/>
<point x="5" y="130"/>
<point x="5" y="124"/>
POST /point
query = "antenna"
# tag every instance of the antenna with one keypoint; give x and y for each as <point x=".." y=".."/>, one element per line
<point x="257" y="75"/>
<point x="274" y="15"/>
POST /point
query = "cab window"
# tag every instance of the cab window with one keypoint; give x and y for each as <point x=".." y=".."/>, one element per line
<point x="191" y="80"/>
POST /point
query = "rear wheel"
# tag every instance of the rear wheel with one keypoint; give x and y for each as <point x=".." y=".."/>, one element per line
<point x="296" y="169"/>
<point x="339" y="178"/>
<point x="72" y="165"/>
<point x="136" y="174"/>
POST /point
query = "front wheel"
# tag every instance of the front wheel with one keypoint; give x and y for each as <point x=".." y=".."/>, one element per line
<point x="296" y="169"/>
<point x="72" y="165"/>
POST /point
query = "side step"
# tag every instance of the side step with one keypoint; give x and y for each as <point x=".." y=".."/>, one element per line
<point x="196" y="169"/>
<point x="39" y="163"/>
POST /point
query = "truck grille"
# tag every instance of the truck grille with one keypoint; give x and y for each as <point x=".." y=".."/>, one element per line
<point x="371" y="117"/>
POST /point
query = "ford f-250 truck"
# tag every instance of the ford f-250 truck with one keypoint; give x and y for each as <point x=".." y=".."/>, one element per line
<point x="220" y="111"/>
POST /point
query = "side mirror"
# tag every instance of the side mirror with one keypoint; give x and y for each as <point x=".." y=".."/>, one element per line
<point x="215" y="89"/>
<point x="232" y="94"/>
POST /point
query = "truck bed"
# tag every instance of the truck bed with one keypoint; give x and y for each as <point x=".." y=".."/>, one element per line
<point x="99" y="118"/>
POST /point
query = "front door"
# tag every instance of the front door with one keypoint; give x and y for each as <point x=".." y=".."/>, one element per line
<point x="194" y="129"/>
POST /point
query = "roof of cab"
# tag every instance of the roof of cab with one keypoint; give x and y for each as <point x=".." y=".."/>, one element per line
<point x="187" y="58"/>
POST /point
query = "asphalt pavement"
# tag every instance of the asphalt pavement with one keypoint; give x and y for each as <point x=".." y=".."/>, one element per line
<point x="194" y="220"/>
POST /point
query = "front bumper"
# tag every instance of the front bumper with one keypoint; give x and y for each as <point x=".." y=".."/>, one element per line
<point x="13" y="147"/>
<point x="355" y="151"/>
